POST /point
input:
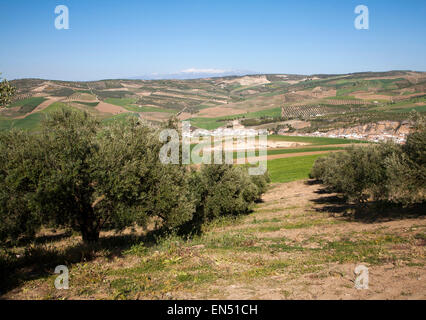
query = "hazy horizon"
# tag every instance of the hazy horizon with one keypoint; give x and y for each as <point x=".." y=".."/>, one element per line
<point x="173" y="76"/>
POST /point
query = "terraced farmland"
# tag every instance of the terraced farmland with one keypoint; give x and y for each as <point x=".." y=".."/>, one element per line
<point x="327" y="101"/>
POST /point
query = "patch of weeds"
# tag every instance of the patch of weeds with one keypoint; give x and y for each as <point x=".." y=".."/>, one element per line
<point x="221" y="222"/>
<point x="420" y="236"/>
<point x="147" y="266"/>
<point x="310" y="223"/>
<point x="86" y="291"/>
<point x="124" y="288"/>
<point x="369" y="251"/>
<point x="268" y="228"/>
<point x="282" y="246"/>
<point x="273" y="220"/>
<point x="137" y="250"/>
<point x="415" y="264"/>
<point x="286" y="293"/>
<point x="271" y="210"/>
<point x="271" y="268"/>
<point x="169" y="242"/>
<point x="230" y="241"/>
<point x="195" y="278"/>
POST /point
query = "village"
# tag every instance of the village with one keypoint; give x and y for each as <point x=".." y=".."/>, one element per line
<point x="375" y="132"/>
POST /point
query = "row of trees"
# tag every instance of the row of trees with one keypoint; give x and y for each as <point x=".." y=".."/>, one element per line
<point x="384" y="172"/>
<point x="81" y="174"/>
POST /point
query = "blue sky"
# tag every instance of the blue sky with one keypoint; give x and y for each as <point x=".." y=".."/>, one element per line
<point x="126" y="38"/>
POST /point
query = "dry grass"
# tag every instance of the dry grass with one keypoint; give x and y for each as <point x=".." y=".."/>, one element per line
<point x="299" y="243"/>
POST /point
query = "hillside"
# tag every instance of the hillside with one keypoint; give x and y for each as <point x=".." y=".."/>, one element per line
<point x="299" y="243"/>
<point x="325" y="101"/>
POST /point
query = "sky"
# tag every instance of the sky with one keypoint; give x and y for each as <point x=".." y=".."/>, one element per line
<point x="129" y="38"/>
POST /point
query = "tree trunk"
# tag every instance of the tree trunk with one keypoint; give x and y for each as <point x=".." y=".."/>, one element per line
<point x="89" y="230"/>
<point x="90" y="235"/>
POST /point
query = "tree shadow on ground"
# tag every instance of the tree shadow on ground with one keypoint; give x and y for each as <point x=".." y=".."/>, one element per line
<point x="40" y="260"/>
<point x="43" y="239"/>
<point x="369" y="212"/>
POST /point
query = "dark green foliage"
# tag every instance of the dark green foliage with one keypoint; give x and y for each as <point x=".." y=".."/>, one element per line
<point x="112" y="94"/>
<point x="407" y="171"/>
<point x="6" y="92"/>
<point x="221" y="189"/>
<point x="79" y="174"/>
<point x="21" y="164"/>
<point x="63" y="92"/>
<point x="89" y="104"/>
<point x="385" y="172"/>
<point x="261" y="183"/>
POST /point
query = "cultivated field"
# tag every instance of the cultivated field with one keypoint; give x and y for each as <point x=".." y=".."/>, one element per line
<point x="211" y="103"/>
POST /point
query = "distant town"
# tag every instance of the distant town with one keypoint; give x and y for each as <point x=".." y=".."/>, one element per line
<point x="375" y="132"/>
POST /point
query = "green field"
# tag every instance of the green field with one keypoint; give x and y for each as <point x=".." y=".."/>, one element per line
<point x="129" y="104"/>
<point x="25" y="106"/>
<point x="314" y="140"/>
<point x="31" y="122"/>
<point x="89" y="104"/>
<point x="35" y="101"/>
<point x="122" y="102"/>
<point x="135" y="108"/>
<point x="214" y="123"/>
<point x="297" y="150"/>
<point x="207" y="123"/>
<point x="291" y="169"/>
<point x="56" y="106"/>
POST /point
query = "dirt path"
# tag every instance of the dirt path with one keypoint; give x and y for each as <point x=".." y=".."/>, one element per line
<point x="305" y="221"/>
<point x="299" y="154"/>
<point x="299" y="243"/>
<point x="321" y="146"/>
<point x="290" y="155"/>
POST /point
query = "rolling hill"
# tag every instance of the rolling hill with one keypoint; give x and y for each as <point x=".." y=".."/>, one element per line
<point x="325" y="102"/>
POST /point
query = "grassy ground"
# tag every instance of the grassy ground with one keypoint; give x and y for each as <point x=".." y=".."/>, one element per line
<point x="313" y="140"/>
<point x="29" y="103"/>
<point x="31" y="122"/>
<point x="300" y="243"/>
<point x="290" y="169"/>
<point x="122" y="102"/>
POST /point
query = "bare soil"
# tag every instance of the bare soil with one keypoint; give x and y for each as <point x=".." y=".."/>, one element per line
<point x="109" y="108"/>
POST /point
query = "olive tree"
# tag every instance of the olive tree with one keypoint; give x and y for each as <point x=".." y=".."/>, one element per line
<point x="223" y="190"/>
<point x="81" y="174"/>
<point x="6" y="92"/>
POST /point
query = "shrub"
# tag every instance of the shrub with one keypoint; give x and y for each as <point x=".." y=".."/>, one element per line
<point x="319" y="168"/>
<point x="383" y="172"/>
<point x="407" y="171"/>
<point x="6" y="92"/>
<point x="21" y="164"/>
<point x="261" y="182"/>
<point x="359" y="173"/>
<point x="223" y="190"/>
